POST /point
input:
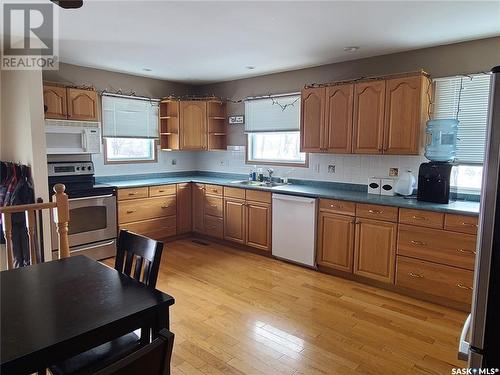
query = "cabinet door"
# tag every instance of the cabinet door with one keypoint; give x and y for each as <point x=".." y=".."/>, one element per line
<point x="184" y="208"/>
<point x="258" y="231"/>
<point x="82" y="104"/>
<point x="198" y="208"/>
<point x="368" y="117"/>
<point x="375" y="250"/>
<point x="312" y="122"/>
<point x="54" y="102"/>
<point x="193" y="125"/>
<point x="234" y="220"/>
<point x="338" y="119"/>
<point x="403" y="115"/>
<point x="335" y="241"/>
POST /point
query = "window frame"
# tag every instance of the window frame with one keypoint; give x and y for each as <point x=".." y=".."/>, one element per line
<point x="278" y="163"/>
<point x="107" y="161"/>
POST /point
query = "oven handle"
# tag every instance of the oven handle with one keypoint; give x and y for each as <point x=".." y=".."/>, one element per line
<point x="95" y="246"/>
<point x="92" y="197"/>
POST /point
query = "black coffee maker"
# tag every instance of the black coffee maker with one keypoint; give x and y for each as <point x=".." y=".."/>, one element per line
<point x="434" y="182"/>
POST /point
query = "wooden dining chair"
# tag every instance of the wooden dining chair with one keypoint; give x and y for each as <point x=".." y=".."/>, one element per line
<point x="138" y="257"/>
<point x="152" y="359"/>
<point x="60" y="208"/>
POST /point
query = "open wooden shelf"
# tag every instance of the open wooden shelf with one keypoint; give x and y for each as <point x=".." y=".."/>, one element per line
<point x="169" y="125"/>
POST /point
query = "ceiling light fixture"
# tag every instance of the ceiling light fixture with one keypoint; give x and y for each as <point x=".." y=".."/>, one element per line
<point x="351" y="49"/>
<point x="146" y="69"/>
<point x="250" y="67"/>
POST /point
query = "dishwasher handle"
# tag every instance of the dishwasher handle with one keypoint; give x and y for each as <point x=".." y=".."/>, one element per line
<point x="293" y="198"/>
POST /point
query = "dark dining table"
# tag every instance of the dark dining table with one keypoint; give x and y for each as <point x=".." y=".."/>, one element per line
<point x="55" y="310"/>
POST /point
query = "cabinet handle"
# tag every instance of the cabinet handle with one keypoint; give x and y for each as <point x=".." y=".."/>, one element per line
<point x="419" y="217"/>
<point x="165" y="206"/>
<point x="335" y="206"/>
<point x="469" y="225"/>
<point x="467" y="251"/>
<point x="375" y="211"/>
<point x="131" y="211"/>
<point x="462" y="286"/>
<point x="161" y="191"/>
<point x="416" y="275"/>
<point x="418" y="243"/>
<point x="134" y="193"/>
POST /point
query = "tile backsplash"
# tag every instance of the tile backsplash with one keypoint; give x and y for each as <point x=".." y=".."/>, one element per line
<point x="355" y="169"/>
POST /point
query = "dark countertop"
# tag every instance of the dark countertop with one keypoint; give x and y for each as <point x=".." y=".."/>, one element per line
<point x="319" y="190"/>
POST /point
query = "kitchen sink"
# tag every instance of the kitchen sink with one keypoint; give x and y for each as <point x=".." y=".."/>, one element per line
<point x="258" y="183"/>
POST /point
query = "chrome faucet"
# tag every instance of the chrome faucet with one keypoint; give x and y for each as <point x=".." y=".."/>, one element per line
<point x="270" y="171"/>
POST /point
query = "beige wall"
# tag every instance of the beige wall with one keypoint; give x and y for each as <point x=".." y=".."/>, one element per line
<point x="112" y="81"/>
<point x="22" y="130"/>
<point x="459" y="58"/>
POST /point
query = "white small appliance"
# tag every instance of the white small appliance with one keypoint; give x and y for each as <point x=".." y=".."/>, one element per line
<point x="374" y="185"/>
<point x="294" y="229"/>
<point x="405" y="184"/>
<point x="72" y="137"/>
<point x="387" y="186"/>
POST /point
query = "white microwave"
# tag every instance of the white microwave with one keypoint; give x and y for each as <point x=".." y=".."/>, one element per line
<point x="72" y="137"/>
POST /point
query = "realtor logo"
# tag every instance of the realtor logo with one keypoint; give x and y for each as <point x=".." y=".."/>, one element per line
<point x="30" y="39"/>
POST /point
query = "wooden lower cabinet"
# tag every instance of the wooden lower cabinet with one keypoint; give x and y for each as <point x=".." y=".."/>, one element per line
<point x="335" y="241"/>
<point x="234" y="220"/>
<point x="258" y="231"/>
<point x="158" y="228"/>
<point x="184" y="208"/>
<point x="199" y="208"/>
<point x="214" y="226"/>
<point x="375" y="249"/>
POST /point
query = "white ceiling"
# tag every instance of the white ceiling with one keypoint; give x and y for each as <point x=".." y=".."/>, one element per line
<point x="199" y="42"/>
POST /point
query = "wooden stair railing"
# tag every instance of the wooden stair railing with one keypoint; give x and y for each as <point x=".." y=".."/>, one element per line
<point x="60" y="209"/>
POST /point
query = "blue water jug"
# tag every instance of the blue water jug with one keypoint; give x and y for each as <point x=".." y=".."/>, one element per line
<point x="441" y="142"/>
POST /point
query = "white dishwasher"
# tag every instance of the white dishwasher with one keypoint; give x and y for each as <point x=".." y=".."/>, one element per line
<point x="294" y="229"/>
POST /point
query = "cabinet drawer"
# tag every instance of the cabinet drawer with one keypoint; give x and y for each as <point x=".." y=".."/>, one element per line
<point x="156" y="191"/>
<point x="461" y="223"/>
<point x="337" y="207"/>
<point x="435" y="279"/>
<point x="149" y="208"/>
<point x="258" y="196"/>
<point x="154" y="228"/>
<point x="234" y="192"/>
<point x="213" y="189"/>
<point x="440" y="246"/>
<point x="372" y="211"/>
<point x="214" y="206"/>
<point x="132" y="193"/>
<point x="214" y="226"/>
<point x="427" y="219"/>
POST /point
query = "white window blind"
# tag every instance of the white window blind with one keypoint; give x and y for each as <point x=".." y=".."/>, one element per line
<point x="473" y="114"/>
<point x="124" y="117"/>
<point x="261" y="115"/>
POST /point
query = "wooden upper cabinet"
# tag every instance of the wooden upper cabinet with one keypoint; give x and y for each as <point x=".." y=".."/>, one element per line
<point x="403" y="115"/>
<point x="258" y="231"/>
<point x="235" y="220"/>
<point x="312" y="122"/>
<point x="198" y="207"/>
<point x="54" y="102"/>
<point x="368" y="117"/>
<point x="335" y="241"/>
<point x="184" y="208"/>
<point x="375" y="250"/>
<point x="193" y="125"/>
<point x="82" y="104"/>
<point x="338" y="119"/>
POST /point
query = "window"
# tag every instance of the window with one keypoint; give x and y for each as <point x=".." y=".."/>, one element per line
<point x="473" y="120"/>
<point x="130" y="129"/>
<point x="272" y="127"/>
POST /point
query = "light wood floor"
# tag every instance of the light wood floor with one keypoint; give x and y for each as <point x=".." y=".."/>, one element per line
<point x="241" y="313"/>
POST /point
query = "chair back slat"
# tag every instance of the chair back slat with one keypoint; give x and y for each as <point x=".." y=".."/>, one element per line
<point x="60" y="207"/>
<point x="146" y="253"/>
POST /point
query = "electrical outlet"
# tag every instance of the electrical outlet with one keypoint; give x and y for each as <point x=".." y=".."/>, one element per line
<point x="393" y="172"/>
<point x="331" y="168"/>
<point x="316" y="167"/>
<point x="222" y="163"/>
<point x="174" y="161"/>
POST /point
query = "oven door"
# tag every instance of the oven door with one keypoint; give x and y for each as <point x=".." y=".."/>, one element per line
<point x="91" y="219"/>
